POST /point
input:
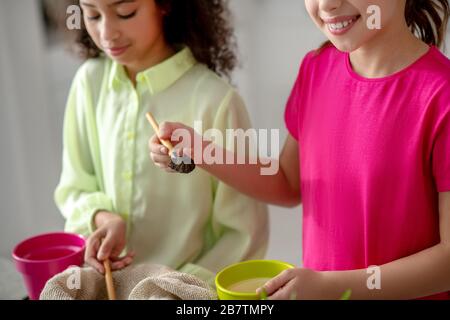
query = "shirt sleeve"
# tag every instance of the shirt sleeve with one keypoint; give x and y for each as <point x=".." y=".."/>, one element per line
<point x="292" y="110"/>
<point x="441" y="149"/>
<point x="238" y="227"/>
<point x="79" y="193"/>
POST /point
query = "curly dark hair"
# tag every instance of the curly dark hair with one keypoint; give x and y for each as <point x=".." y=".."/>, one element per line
<point x="202" y="25"/>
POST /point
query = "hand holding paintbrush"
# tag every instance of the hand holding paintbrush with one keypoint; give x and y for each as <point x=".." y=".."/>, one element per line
<point x="179" y="164"/>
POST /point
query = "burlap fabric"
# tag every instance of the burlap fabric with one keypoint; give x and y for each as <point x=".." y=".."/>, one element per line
<point x="136" y="282"/>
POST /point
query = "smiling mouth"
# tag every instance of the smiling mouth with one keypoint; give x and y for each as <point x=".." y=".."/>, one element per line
<point x="339" y="26"/>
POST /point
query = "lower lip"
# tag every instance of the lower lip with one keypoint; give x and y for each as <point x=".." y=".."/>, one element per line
<point x="117" y="52"/>
<point x="343" y="30"/>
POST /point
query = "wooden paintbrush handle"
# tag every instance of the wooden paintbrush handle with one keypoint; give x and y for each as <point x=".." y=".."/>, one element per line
<point x="155" y="126"/>
<point x="109" y="280"/>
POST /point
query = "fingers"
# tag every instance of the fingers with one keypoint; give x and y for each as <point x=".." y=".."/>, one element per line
<point x="102" y="245"/>
<point x="156" y="147"/>
<point x="279" y="281"/>
<point x="160" y="161"/>
<point x="158" y="153"/>
<point x="287" y="292"/>
<point x="167" y="128"/>
<point x="106" y="247"/>
<point x="120" y="263"/>
<point x="129" y="254"/>
<point x="92" y="246"/>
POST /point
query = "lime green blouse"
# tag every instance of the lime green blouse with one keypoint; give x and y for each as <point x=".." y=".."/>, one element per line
<point x="192" y="223"/>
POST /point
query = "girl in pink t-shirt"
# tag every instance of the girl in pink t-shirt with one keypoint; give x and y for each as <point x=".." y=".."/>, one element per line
<point x="368" y="155"/>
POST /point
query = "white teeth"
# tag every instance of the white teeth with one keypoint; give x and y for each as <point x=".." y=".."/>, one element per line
<point x="340" y="25"/>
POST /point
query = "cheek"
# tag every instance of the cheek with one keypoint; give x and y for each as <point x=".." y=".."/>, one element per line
<point x="312" y="7"/>
<point x="387" y="10"/>
<point x="147" y="28"/>
<point x="93" y="33"/>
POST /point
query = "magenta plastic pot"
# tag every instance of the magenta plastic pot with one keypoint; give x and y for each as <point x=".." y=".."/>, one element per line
<point x="41" y="257"/>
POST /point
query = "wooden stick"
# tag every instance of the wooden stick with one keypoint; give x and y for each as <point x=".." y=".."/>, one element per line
<point x="155" y="126"/>
<point x="109" y="280"/>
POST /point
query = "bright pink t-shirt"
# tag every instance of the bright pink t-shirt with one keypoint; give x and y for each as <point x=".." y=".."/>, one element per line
<point x="374" y="154"/>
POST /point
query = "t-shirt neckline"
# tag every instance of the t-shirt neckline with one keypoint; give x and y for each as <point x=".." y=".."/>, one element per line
<point x="358" y="77"/>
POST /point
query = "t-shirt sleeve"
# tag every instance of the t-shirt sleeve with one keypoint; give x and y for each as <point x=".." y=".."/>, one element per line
<point x="292" y="111"/>
<point x="441" y="149"/>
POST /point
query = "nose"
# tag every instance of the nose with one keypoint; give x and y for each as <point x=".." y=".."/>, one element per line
<point x="109" y="32"/>
<point x="329" y="5"/>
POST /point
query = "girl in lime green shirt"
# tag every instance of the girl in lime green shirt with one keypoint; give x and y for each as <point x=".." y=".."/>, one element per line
<point x="164" y="57"/>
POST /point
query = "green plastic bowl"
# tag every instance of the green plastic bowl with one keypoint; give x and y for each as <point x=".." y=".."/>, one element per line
<point x="245" y="271"/>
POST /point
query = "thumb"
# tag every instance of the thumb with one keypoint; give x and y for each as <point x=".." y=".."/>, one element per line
<point x="105" y="249"/>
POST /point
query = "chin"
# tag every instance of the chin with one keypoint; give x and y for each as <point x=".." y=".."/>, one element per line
<point x="119" y="60"/>
<point x="346" y="46"/>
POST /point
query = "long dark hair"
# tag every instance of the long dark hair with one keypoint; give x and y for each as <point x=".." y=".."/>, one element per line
<point x="202" y="25"/>
<point x="427" y="19"/>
